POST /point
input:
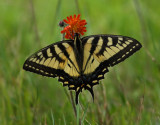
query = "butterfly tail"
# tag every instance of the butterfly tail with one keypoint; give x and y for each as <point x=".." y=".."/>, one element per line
<point x="92" y="93"/>
<point x="77" y="95"/>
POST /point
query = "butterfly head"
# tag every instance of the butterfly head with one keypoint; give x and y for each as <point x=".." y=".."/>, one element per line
<point x="76" y="35"/>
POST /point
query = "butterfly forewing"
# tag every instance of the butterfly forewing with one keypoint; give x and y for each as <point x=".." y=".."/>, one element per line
<point x="55" y="60"/>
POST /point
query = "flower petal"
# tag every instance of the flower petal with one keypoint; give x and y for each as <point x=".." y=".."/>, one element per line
<point x="75" y="25"/>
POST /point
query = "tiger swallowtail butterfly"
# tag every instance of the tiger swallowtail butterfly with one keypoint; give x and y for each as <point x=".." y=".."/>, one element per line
<point x="81" y="62"/>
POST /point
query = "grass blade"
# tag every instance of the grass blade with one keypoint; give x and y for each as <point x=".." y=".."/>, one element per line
<point x="84" y="115"/>
<point x="52" y="117"/>
<point x="78" y="117"/>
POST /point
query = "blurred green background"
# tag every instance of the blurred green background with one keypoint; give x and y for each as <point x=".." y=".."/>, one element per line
<point x="130" y="92"/>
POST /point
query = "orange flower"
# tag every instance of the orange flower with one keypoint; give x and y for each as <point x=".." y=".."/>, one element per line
<point x="75" y="25"/>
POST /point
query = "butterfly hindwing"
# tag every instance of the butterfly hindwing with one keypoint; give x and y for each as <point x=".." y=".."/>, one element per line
<point x="55" y="60"/>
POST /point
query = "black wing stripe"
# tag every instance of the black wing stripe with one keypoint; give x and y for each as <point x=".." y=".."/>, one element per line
<point x="63" y="49"/>
<point x="94" y="41"/>
<point x="115" y="41"/>
<point x="105" y="41"/>
<point x="71" y="44"/>
<point x="55" y="54"/>
<point x="45" y="54"/>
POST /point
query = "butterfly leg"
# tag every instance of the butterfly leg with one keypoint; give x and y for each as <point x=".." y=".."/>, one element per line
<point x="77" y="97"/>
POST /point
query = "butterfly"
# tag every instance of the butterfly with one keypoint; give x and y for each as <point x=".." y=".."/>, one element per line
<point x="82" y="62"/>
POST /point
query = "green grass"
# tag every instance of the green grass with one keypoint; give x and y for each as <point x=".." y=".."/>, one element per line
<point x="130" y="92"/>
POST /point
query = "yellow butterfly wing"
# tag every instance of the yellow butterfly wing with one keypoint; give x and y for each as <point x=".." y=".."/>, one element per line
<point x="55" y="60"/>
<point x="103" y="51"/>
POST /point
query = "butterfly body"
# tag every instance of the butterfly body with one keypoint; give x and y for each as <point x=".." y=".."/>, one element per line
<point x="79" y="53"/>
<point x="82" y="62"/>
